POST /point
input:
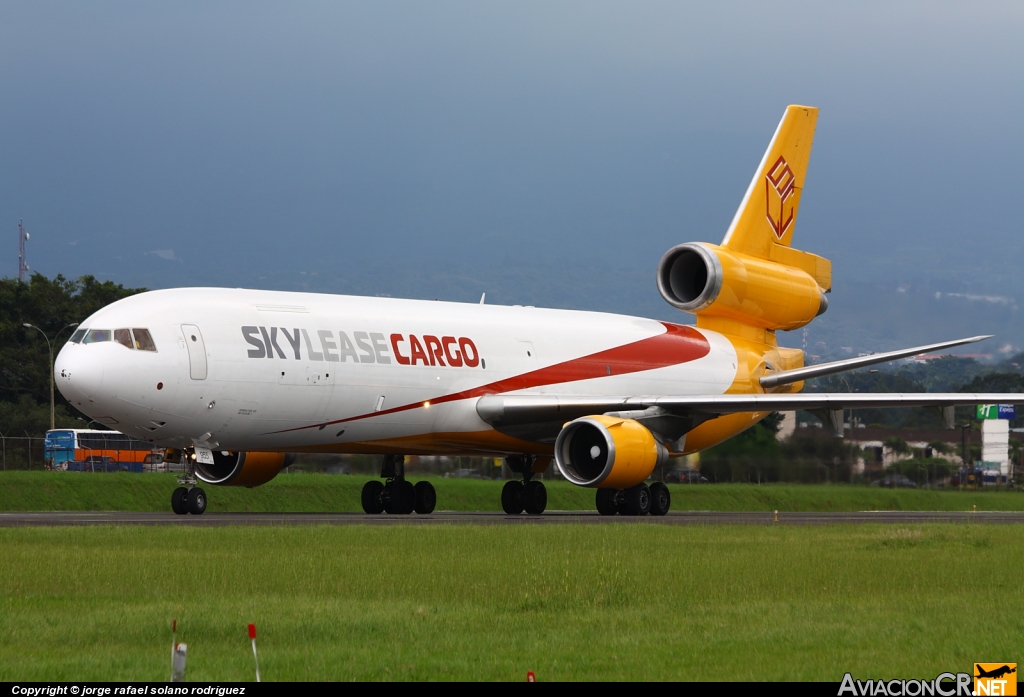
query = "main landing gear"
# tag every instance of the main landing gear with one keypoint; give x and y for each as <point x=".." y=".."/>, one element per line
<point x="527" y="495"/>
<point x="638" y="500"/>
<point x="188" y="498"/>
<point x="396" y="494"/>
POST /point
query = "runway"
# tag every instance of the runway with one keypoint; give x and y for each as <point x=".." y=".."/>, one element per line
<point x="72" y="518"/>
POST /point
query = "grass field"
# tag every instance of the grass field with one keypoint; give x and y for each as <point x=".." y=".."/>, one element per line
<point x="77" y="491"/>
<point x="490" y="603"/>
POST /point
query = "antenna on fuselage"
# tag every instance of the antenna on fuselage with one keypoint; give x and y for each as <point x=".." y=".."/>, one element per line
<point x="483" y="296"/>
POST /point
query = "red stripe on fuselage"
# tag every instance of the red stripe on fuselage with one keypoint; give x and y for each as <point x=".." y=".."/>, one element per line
<point x="679" y="344"/>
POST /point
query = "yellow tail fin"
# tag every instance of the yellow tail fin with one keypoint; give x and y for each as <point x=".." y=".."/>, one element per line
<point x="767" y="215"/>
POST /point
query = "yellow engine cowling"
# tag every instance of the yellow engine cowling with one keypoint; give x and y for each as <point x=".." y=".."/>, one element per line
<point x="607" y="452"/>
<point x="243" y="469"/>
<point x="712" y="281"/>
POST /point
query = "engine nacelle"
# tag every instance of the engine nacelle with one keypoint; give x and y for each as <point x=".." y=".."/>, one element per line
<point x="709" y="280"/>
<point x="607" y="452"/>
<point x="243" y="469"/>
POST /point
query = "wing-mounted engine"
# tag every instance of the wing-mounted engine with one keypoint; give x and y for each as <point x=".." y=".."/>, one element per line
<point x="607" y="452"/>
<point x="242" y="468"/>
<point x="712" y="281"/>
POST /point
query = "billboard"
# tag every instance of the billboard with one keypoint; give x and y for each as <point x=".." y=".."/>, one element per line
<point x="996" y="411"/>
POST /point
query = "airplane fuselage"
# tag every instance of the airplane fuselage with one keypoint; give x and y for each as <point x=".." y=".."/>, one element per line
<point x="282" y="371"/>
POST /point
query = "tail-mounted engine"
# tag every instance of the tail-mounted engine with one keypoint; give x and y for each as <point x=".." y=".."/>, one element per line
<point x="605" y="451"/>
<point x="243" y="469"/>
<point x="709" y="280"/>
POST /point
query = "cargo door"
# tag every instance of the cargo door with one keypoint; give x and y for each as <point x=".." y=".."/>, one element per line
<point x="196" y="351"/>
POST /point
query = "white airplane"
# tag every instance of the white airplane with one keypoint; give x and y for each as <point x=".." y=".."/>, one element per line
<point x="239" y="379"/>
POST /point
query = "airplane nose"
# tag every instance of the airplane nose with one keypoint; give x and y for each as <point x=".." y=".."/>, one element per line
<point x="78" y="373"/>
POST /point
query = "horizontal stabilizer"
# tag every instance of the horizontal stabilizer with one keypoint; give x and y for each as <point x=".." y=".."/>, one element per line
<point x="785" y="377"/>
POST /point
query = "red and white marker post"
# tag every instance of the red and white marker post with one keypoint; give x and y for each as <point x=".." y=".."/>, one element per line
<point x="252" y="636"/>
<point x="177" y="655"/>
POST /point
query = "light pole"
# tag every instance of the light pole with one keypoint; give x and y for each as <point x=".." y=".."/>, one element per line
<point x="965" y="430"/>
<point x="49" y="346"/>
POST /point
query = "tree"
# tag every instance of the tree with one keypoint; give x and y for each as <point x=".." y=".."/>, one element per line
<point x="880" y="381"/>
<point x="897" y="445"/>
<point x="24" y="358"/>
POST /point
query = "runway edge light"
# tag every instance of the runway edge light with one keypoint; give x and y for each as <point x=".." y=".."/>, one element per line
<point x="252" y="636"/>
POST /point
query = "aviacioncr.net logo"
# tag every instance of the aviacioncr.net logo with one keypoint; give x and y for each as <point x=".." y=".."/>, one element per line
<point x="995" y="679"/>
<point x="944" y="685"/>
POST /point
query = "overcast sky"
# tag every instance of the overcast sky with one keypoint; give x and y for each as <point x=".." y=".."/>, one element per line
<point x="546" y="152"/>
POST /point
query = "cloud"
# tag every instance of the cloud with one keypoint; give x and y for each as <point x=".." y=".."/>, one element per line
<point x="167" y="254"/>
<point x="997" y="299"/>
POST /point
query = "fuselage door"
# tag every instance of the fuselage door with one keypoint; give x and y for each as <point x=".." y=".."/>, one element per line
<point x="196" y="351"/>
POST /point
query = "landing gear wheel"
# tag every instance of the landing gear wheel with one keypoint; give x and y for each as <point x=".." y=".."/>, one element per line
<point x="407" y="497"/>
<point x="535" y="498"/>
<point x="512" y="497"/>
<point x="426" y="497"/>
<point x="372" y="497"/>
<point x="390" y="498"/>
<point x="178" y="504"/>
<point x="399" y="497"/>
<point x="196" y="501"/>
<point x="636" y="500"/>
<point x="661" y="499"/>
<point x="606" y="502"/>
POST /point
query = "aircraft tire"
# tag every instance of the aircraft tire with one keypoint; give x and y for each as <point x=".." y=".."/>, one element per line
<point x="407" y="497"/>
<point x="636" y="500"/>
<point x="178" y="504"/>
<point x="535" y="498"/>
<point x="426" y="498"/>
<point x="390" y="498"/>
<point x="512" y="497"/>
<point x="661" y="499"/>
<point x="196" y="501"/>
<point x="606" y="502"/>
<point x="371" y="497"/>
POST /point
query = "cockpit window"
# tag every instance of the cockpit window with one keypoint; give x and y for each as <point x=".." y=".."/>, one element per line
<point x="123" y="337"/>
<point x="143" y="341"/>
<point x="95" y="336"/>
<point x="77" y="336"/>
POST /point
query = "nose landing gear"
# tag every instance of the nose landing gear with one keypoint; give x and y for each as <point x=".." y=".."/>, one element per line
<point x="178" y="500"/>
<point x="188" y="498"/>
<point x="397" y="495"/>
<point x="528" y="495"/>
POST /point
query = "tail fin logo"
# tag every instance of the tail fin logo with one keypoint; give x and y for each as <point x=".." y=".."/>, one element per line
<point x="780" y="180"/>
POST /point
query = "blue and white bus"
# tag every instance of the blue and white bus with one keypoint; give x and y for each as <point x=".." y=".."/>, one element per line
<point x="94" y="451"/>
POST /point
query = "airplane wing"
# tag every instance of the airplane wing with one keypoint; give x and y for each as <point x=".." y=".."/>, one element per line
<point x="539" y="418"/>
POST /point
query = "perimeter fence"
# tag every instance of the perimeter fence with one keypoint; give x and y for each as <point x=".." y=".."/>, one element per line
<point x="21" y="453"/>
